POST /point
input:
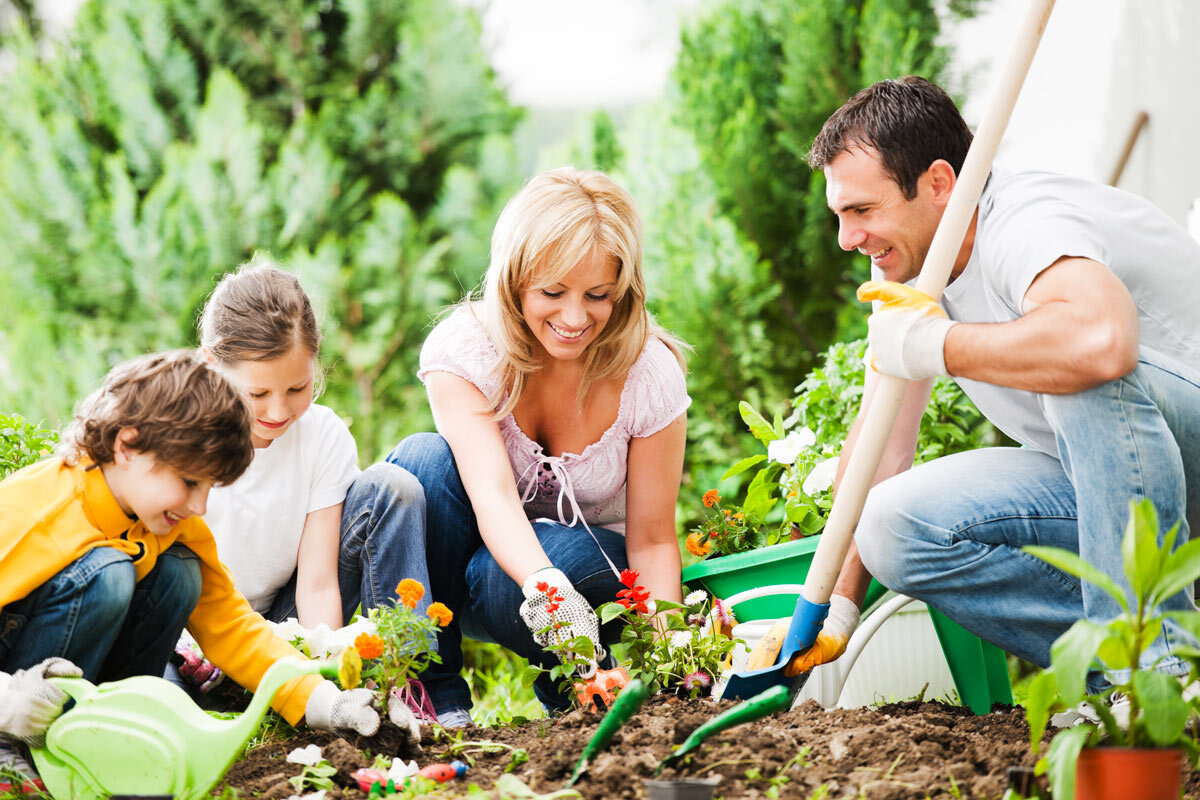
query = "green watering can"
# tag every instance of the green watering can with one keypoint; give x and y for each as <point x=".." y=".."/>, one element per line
<point x="145" y="736"/>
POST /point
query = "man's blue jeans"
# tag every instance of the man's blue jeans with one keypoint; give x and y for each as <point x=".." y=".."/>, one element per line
<point x="484" y="599"/>
<point x="96" y="614"/>
<point x="382" y="542"/>
<point x="950" y="532"/>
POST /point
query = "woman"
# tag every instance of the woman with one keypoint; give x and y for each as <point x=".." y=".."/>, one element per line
<point x="555" y="396"/>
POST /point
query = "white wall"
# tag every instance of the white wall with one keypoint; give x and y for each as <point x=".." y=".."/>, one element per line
<point x="1099" y="63"/>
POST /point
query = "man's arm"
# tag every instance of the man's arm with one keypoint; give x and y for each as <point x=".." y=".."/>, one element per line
<point x="1079" y="330"/>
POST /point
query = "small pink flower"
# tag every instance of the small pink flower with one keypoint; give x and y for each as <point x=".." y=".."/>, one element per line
<point x="697" y="680"/>
<point x="695" y="619"/>
<point x="722" y="613"/>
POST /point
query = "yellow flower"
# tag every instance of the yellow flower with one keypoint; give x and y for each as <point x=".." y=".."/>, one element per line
<point x="349" y="668"/>
<point x="410" y="592"/>
<point x="739" y="515"/>
<point x="440" y="614"/>
<point x="697" y="547"/>
<point x="368" y="645"/>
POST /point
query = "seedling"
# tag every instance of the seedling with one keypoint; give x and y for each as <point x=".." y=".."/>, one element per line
<point x="316" y="776"/>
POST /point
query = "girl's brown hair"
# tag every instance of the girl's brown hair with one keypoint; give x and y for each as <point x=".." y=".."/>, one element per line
<point x="258" y="313"/>
<point x="186" y="415"/>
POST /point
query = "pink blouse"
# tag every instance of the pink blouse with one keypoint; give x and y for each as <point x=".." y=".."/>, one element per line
<point x="590" y="484"/>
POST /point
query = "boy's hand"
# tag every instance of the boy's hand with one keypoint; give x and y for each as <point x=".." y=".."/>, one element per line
<point x="29" y="702"/>
<point x="332" y="709"/>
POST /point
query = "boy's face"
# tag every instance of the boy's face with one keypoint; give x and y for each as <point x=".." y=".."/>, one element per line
<point x="154" y="492"/>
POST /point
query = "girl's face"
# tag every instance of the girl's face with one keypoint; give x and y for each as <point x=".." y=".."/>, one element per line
<point x="279" y="391"/>
<point x="568" y="315"/>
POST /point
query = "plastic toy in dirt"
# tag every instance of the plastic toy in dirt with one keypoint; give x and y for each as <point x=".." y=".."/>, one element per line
<point x="145" y="736"/>
<point x="599" y="692"/>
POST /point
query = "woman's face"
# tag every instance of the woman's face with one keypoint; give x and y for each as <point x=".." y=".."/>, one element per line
<point x="567" y="316"/>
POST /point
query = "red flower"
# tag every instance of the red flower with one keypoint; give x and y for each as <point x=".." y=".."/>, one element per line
<point x="552" y="606"/>
<point x="635" y="596"/>
<point x="541" y="586"/>
<point x="629" y="577"/>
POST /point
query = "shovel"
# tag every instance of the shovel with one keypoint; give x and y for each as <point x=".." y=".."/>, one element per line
<point x="813" y="603"/>
<point x="776" y="698"/>
<point x="624" y="707"/>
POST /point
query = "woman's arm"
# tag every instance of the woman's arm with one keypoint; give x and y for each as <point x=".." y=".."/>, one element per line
<point x="655" y="471"/>
<point x="460" y="413"/>
<point x="318" y="598"/>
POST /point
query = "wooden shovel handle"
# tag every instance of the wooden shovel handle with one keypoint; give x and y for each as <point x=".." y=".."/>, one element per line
<point x="935" y="273"/>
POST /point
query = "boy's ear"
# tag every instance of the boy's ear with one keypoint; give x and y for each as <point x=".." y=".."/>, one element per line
<point x="121" y="449"/>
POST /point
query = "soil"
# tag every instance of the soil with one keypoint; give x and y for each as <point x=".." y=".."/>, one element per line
<point x="891" y="752"/>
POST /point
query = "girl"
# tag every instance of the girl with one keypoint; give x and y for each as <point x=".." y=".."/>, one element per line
<point x="554" y="395"/>
<point x="304" y="532"/>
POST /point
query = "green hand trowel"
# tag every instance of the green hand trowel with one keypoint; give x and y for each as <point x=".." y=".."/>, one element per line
<point x="145" y="736"/>
<point x="777" y="698"/>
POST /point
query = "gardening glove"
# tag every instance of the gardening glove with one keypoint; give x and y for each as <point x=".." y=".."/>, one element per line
<point x="332" y="709"/>
<point x="907" y="333"/>
<point x="571" y="610"/>
<point x="29" y="702"/>
<point x="400" y="715"/>
<point x="839" y="626"/>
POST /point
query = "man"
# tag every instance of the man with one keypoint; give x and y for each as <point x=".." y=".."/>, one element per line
<point x="1070" y="320"/>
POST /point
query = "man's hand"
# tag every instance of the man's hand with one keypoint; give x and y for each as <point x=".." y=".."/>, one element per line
<point x="908" y="332"/>
<point x="571" y="611"/>
<point x="29" y="702"/>
<point x="831" y="641"/>
<point x="332" y="709"/>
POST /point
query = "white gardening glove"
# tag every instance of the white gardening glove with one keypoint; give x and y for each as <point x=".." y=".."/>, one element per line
<point x="29" y="702"/>
<point x="332" y="709"/>
<point x="576" y="614"/>
<point x="907" y="333"/>
<point x="839" y="626"/>
<point x="400" y="715"/>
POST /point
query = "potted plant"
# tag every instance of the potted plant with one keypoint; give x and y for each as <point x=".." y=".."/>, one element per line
<point x="1137" y="751"/>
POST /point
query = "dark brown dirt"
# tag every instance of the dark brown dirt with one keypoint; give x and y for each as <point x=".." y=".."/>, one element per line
<point x="894" y="752"/>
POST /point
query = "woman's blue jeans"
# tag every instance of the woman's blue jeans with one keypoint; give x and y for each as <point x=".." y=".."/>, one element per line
<point x="95" y="613"/>
<point x="485" y="600"/>
<point x="950" y="531"/>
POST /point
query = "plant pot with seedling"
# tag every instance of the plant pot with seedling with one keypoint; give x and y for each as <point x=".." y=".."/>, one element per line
<point x="1140" y="739"/>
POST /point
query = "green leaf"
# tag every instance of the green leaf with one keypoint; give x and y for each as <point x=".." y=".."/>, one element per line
<point x="1062" y="757"/>
<point x="667" y="605"/>
<point x="742" y="466"/>
<point x="1073" y="655"/>
<point x="1100" y="706"/>
<point x="759" y="501"/>
<point x="610" y="611"/>
<point x="1181" y="570"/>
<point x="1072" y="564"/>
<point x="1164" y="712"/>
<point x="757" y="423"/>
<point x="1139" y="548"/>
<point x="777" y="425"/>
<point x="1038" y="705"/>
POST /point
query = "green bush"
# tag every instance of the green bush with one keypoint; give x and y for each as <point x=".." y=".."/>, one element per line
<point x="22" y="443"/>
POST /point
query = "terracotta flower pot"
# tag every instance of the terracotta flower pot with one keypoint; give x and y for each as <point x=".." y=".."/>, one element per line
<point x="1120" y="773"/>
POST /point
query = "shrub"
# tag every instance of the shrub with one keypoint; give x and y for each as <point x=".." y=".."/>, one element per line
<point x="22" y="443"/>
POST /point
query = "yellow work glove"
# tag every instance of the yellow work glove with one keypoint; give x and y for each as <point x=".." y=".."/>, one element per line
<point x="831" y="641"/>
<point x="907" y="333"/>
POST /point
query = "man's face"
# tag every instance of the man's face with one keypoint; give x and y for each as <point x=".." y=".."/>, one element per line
<point x="874" y="216"/>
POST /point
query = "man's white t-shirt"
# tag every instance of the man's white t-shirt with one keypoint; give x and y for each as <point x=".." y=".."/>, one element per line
<point x="257" y="520"/>
<point x="1027" y="221"/>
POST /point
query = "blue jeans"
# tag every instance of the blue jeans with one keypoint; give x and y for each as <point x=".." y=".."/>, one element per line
<point x="382" y="542"/>
<point x="950" y="531"/>
<point x="95" y="613"/>
<point x="484" y="599"/>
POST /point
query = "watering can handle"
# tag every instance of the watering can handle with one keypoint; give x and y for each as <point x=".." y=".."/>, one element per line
<point x="76" y="688"/>
<point x="763" y="591"/>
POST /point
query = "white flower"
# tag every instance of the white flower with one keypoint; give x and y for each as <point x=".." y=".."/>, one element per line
<point x="323" y="642"/>
<point x="821" y="477"/>
<point x="784" y="451"/>
<point x="695" y="598"/>
<point x="681" y="638"/>
<point x="308" y="756"/>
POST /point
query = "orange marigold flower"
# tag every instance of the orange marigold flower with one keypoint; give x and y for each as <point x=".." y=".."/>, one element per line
<point x="739" y="515"/>
<point x="711" y="498"/>
<point x="410" y="592"/>
<point x="368" y="645"/>
<point x="439" y="613"/>
<point x="727" y="511"/>
<point x="697" y="547"/>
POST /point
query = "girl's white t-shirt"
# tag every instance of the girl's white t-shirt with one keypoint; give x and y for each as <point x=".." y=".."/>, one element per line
<point x="258" y="519"/>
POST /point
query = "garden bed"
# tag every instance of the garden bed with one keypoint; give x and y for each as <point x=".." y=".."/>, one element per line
<point x="897" y="751"/>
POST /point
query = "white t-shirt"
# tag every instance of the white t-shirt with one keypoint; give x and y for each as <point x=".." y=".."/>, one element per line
<point x="1027" y="221"/>
<point x="257" y="521"/>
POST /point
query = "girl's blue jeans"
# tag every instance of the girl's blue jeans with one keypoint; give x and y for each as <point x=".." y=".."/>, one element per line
<point x="949" y="532"/>
<point x="95" y="613"/>
<point x="485" y="600"/>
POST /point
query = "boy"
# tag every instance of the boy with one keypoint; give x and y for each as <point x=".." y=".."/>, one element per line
<point x="104" y="557"/>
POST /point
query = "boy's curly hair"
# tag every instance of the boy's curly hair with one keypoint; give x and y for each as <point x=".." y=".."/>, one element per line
<point x="186" y="415"/>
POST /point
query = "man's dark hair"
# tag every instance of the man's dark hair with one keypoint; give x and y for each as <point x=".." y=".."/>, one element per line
<point x="909" y="121"/>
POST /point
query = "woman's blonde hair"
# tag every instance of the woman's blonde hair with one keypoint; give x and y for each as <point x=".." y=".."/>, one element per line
<point x="558" y="219"/>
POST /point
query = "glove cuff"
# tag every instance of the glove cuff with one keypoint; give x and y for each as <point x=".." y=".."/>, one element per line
<point x="319" y="708"/>
<point x="843" y="615"/>
<point x="552" y="576"/>
<point x="931" y="352"/>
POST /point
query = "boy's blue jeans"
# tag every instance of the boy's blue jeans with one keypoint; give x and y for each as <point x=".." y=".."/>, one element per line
<point x="949" y="532"/>
<point x="484" y="599"/>
<point x="96" y="614"/>
<point x="382" y="542"/>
